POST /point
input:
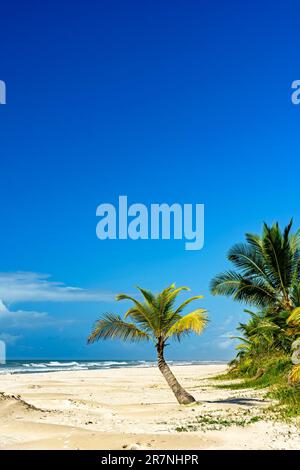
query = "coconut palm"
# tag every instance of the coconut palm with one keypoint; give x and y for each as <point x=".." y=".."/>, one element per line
<point x="154" y="319"/>
<point x="263" y="332"/>
<point x="268" y="270"/>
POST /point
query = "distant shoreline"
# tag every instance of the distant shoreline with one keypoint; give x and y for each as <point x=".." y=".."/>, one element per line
<point x="39" y="366"/>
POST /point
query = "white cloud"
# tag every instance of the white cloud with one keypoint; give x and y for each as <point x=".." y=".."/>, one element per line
<point x="225" y="341"/>
<point x="34" y="287"/>
<point x="228" y="320"/>
<point x="228" y="334"/>
<point x="26" y="319"/>
<point x="225" y="344"/>
<point x="8" y="338"/>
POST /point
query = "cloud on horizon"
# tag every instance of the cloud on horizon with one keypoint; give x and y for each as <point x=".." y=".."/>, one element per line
<point x="34" y="287"/>
<point x="225" y="340"/>
<point x="26" y="320"/>
<point x="9" y="339"/>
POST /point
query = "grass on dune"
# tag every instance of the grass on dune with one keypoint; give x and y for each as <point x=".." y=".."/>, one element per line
<point x="269" y="371"/>
<point x="288" y="401"/>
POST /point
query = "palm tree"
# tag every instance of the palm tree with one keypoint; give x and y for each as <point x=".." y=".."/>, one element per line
<point x="268" y="270"/>
<point x="154" y="319"/>
<point x="262" y="333"/>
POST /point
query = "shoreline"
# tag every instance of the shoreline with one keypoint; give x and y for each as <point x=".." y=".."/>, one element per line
<point x="49" y="365"/>
<point x="129" y="407"/>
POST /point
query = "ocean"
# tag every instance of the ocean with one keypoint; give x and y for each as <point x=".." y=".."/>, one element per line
<point x="37" y="366"/>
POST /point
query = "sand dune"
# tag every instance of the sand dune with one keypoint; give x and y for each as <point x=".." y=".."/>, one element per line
<point x="121" y="408"/>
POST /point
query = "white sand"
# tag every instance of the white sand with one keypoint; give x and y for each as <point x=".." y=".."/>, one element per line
<point x="116" y="408"/>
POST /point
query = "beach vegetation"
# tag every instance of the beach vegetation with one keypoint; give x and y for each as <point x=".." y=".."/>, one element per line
<point x="267" y="278"/>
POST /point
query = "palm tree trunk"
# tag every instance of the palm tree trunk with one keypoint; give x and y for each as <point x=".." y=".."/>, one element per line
<point x="183" y="397"/>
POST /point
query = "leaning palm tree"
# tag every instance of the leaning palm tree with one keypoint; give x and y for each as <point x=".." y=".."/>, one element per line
<point x="268" y="270"/>
<point x="154" y="319"/>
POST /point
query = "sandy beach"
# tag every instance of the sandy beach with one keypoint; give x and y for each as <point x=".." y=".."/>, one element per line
<point x="134" y="408"/>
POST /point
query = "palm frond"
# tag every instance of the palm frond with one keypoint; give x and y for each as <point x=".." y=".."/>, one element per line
<point x="279" y="256"/>
<point x="243" y="347"/>
<point x="144" y="321"/>
<point x="112" y="326"/>
<point x="267" y="270"/>
<point x="147" y="313"/>
<point x="254" y="292"/>
<point x="294" y="318"/>
<point x="226" y="283"/>
<point x="165" y="292"/>
<point x="250" y="261"/>
<point x="295" y="292"/>
<point x="192" y="322"/>
<point x="294" y="376"/>
<point x="148" y="296"/>
<point x="167" y="298"/>
<point x="255" y="241"/>
<point x="240" y="338"/>
<point x="187" y="302"/>
<point x="265" y="324"/>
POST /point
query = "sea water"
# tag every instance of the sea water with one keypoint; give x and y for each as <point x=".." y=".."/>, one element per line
<point x="36" y="366"/>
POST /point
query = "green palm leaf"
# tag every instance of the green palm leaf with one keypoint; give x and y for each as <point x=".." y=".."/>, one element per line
<point x="112" y="326"/>
<point x="187" y="302"/>
<point x="294" y="318"/>
<point x="192" y="322"/>
<point x="267" y="270"/>
<point x="168" y="297"/>
<point x="249" y="260"/>
<point x="295" y="293"/>
<point x="145" y="312"/>
<point x="226" y="283"/>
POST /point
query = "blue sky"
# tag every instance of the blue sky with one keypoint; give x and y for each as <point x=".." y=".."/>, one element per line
<point x="168" y="101"/>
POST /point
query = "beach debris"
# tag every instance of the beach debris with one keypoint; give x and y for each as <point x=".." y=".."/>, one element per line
<point x="135" y="446"/>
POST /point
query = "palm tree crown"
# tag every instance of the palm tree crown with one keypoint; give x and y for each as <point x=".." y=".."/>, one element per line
<point x="155" y="319"/>
<point x="268" y="270"/>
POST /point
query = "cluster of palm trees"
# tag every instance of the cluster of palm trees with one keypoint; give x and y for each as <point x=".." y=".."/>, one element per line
<point x="262" y="333"/>
<point x="266" y="276"/>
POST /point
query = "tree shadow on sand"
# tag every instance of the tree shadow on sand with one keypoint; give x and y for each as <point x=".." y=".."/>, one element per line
<point x="239" y="401"/>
